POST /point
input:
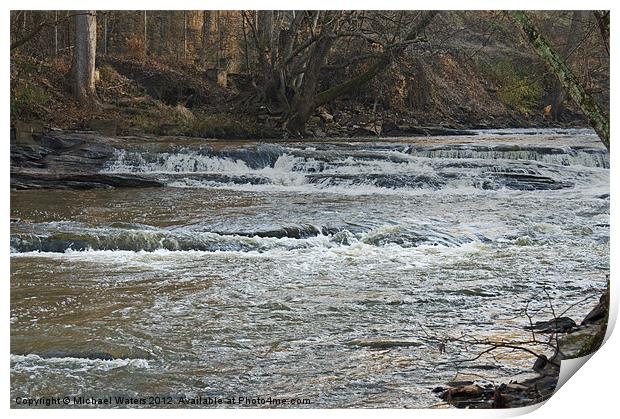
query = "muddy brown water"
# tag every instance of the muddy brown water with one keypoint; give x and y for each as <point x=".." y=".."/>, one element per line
<point x="314" y="271"/>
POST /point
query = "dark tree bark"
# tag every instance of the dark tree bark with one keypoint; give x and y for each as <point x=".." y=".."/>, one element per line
<point x="597" y="117"/>
<point x="206" y="28"/>
<point x="602" y="20"/>
<point x="184" y="35"/>
<point x="306" y="100"/>
<point x="145" y="35"/>
<point x="303" y="105"/>
<point x="419" y="95"/>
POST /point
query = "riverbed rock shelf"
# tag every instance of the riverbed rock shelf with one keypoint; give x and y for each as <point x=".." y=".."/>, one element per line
<point x="68" y="160"/>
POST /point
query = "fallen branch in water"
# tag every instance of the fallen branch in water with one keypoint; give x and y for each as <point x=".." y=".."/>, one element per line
<point x="565" y="338"/>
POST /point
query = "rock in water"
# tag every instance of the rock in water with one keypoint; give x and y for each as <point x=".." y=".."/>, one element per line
<point x="383" y="343"/>
<point x="599" y="312"/>
<point x="557" y="325"/>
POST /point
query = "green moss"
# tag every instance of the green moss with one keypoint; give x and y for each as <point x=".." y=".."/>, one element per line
<point x="515" y="88"/>
<point x="26" y="100"/>
<point x="167" y="121"/>
<point x="595" y="341"/>
<point x="145" y="123"/>
<point x="221" y="126"/>
<point x="149" y="116"/>
<point x="588" y="347"/>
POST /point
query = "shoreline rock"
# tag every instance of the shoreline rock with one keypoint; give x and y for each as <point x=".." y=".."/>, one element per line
<point x="69" y="160"/>
<point x="577" y="341"/>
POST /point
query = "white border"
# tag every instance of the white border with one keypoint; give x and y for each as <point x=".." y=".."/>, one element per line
<point x="591" y="393"/>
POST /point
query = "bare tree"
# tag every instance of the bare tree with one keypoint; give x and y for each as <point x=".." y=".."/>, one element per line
<point x="30" y="35"/>
<point x="391" y="53"/>
<point x="145" y="35"/>
<point x="602" y="20"/>
<point x="206" y="28"/>
<point x="293" y="47"/>
<point x="83" y="69"/>
<point x="55" y="33"/>
<point x="557" y="92"/>
<point x="184" y="35"/>
<point x="597" y="117"/>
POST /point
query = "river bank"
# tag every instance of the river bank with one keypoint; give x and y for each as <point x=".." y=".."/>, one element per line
<point x="571" y="341"/>
<point x="149" y="97"/>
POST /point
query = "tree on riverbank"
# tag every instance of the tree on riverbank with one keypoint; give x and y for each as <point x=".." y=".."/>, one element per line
<point x="291" y="50"/>
<point x="302" y="73"/>
<point x="83" y="69"/>
<point x="587" y="103"/>
<point x="308" y="100"/>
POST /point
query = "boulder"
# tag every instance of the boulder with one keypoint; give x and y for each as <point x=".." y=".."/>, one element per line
<point x="600" y="312"/>
<point x="557" y="325"/>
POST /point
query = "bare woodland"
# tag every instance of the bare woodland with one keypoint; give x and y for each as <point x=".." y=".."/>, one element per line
<point x="293" y="64"/>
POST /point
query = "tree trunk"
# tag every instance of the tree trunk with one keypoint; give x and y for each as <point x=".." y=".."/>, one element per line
<point x="597" y="117"/>
<point x="184" y="35"/>
<point x="206" y="28"/>
<point x="84" y="57"/>
<point x="269" y="74"/>
<point x="418" y="87"/>
<point x="55" y="33"/>
<point x="557" y="93"/>
<point x="305" y="101"/>
<point x="381" y="65"/>
<point x="145" y="35"/>
<point x="105" y="34"/>
<point x="302" y="105"/>
<point x="602" y="20"/>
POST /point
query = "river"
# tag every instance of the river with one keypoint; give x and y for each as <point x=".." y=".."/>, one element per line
<point x="319" y="270"/>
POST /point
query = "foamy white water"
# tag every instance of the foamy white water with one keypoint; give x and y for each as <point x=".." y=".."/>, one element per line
<point x="259" y="266"/>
